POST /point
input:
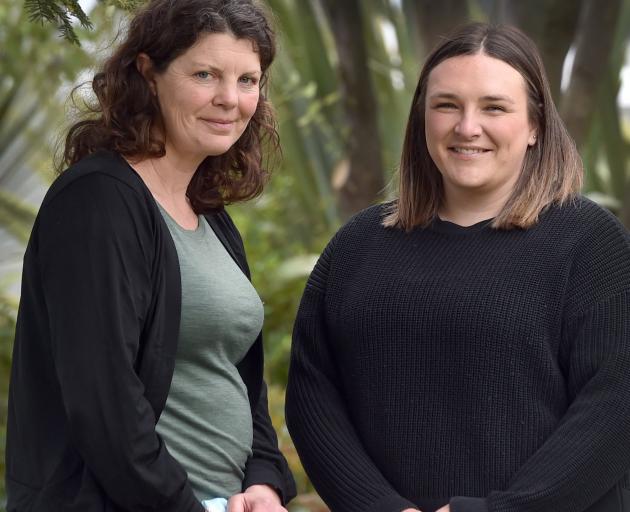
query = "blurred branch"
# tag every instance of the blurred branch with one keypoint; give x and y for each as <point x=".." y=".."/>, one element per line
<point x="551" y="24"/>
<point x="593" y="48"/>
<point x="60" y="14"/>
<point x="126" y="5"/>
<point x="16" y="216"/>
<point x="359" y="182"/>
<point x="429" y="20"/>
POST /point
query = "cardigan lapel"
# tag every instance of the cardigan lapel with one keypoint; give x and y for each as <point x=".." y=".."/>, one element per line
<point x="219" y="231"/>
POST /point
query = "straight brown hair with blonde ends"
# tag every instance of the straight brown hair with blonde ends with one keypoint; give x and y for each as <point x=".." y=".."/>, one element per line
<point x="552" y="168"/>
<point x="125" y="112"/>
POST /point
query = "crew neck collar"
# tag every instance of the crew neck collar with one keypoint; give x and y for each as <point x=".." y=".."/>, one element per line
<point x="445" y="226"/>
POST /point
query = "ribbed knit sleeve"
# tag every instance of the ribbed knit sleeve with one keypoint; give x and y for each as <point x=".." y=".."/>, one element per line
<point x="589" y="451"/>
<point x="317" y="417"/>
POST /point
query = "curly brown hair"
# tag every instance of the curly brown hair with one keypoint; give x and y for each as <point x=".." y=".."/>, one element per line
<point x="125" y="112"/>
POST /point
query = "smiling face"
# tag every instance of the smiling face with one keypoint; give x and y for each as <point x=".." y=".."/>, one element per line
<point x="477" y="125"/>
<point x="207" y="95"/>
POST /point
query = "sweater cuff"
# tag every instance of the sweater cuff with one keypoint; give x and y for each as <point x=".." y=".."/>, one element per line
<point x="260" y="471"/>
<point x="186" y="501"/>
<point x="391" y="503"/>
<point x="466" y="504"/>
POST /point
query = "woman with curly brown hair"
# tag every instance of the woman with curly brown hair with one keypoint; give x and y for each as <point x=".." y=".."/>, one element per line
<point x="137" y="371"/>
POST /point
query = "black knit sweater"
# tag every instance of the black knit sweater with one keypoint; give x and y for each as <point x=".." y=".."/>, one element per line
<point x="481" y="367"/>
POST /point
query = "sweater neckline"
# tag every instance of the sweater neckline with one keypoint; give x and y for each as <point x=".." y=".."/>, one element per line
<point x="450" y="228"/>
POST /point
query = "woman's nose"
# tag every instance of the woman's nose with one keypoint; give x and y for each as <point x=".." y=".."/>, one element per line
<point x="226" y="94"/>
<point x="468" y="125"/>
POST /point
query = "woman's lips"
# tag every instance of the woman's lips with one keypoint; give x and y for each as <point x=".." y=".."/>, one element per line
<point x="221" y="125"/>
<point x="467" y="152"/>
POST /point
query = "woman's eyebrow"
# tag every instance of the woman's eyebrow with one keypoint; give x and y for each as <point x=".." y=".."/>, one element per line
<point x="488" y="97"/>
<point x="495" y="97"/>
<point x="444" y="95"/>
<point x="215" y="69"/>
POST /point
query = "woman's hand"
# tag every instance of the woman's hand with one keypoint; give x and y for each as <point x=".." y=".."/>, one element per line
<point x="256" y="498"/>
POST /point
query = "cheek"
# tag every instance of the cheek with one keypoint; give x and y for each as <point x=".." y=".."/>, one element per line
<point x="191" y="101"/>
<point x="436" y="126"/>
<point x="248" y="105"/>
<point x="514" y="134"/>
<point x="516" y="145"/>
<point x="429" y="123"/>
<point x="175" y="108"/>
<point x="434" y="131"/>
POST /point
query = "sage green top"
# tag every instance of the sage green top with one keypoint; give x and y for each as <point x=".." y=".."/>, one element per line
<point x="207" y="423"/>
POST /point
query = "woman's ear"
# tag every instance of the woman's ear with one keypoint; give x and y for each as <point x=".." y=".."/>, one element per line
<point x="533" y="136"/>
<point x="144" y="65"/>
<point x="532" y="139"/>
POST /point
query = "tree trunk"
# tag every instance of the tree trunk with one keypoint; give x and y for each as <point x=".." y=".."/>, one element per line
<point x="551" y="24"/>
<point x="593" y="46"/>
<point x="615" y="146"/>
<point x="434" y="20"/>
<point x="625" y="210"/>
<point x="359" y="181"/>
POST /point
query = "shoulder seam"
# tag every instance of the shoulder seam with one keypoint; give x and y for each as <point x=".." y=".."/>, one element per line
<point x="589" y="307"/>
<point x="78" y="179"/>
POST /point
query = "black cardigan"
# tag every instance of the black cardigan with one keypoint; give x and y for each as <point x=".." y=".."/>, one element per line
<point x="95" y="349"/>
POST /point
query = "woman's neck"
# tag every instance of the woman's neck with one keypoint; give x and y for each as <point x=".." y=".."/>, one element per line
<point x="466" y="208"/>
<point x="166" y="178"/>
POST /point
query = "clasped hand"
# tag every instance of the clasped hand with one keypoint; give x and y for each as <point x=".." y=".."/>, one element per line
<point x="256" y="498"/>
<point x="445" y="508"/>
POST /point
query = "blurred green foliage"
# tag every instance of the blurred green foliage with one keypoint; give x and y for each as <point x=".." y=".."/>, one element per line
<point x="7" y="329"/>
<point x="285" y="229"/>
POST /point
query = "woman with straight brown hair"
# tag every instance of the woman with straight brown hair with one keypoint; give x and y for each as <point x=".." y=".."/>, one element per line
<point x="466" y="347"/>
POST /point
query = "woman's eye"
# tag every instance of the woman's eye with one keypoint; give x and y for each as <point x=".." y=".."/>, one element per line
<point x="495" y="108"/>
<point x="204" y="75"/>
<point x="248" y="80"/>
<point x="446" y="106"/>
